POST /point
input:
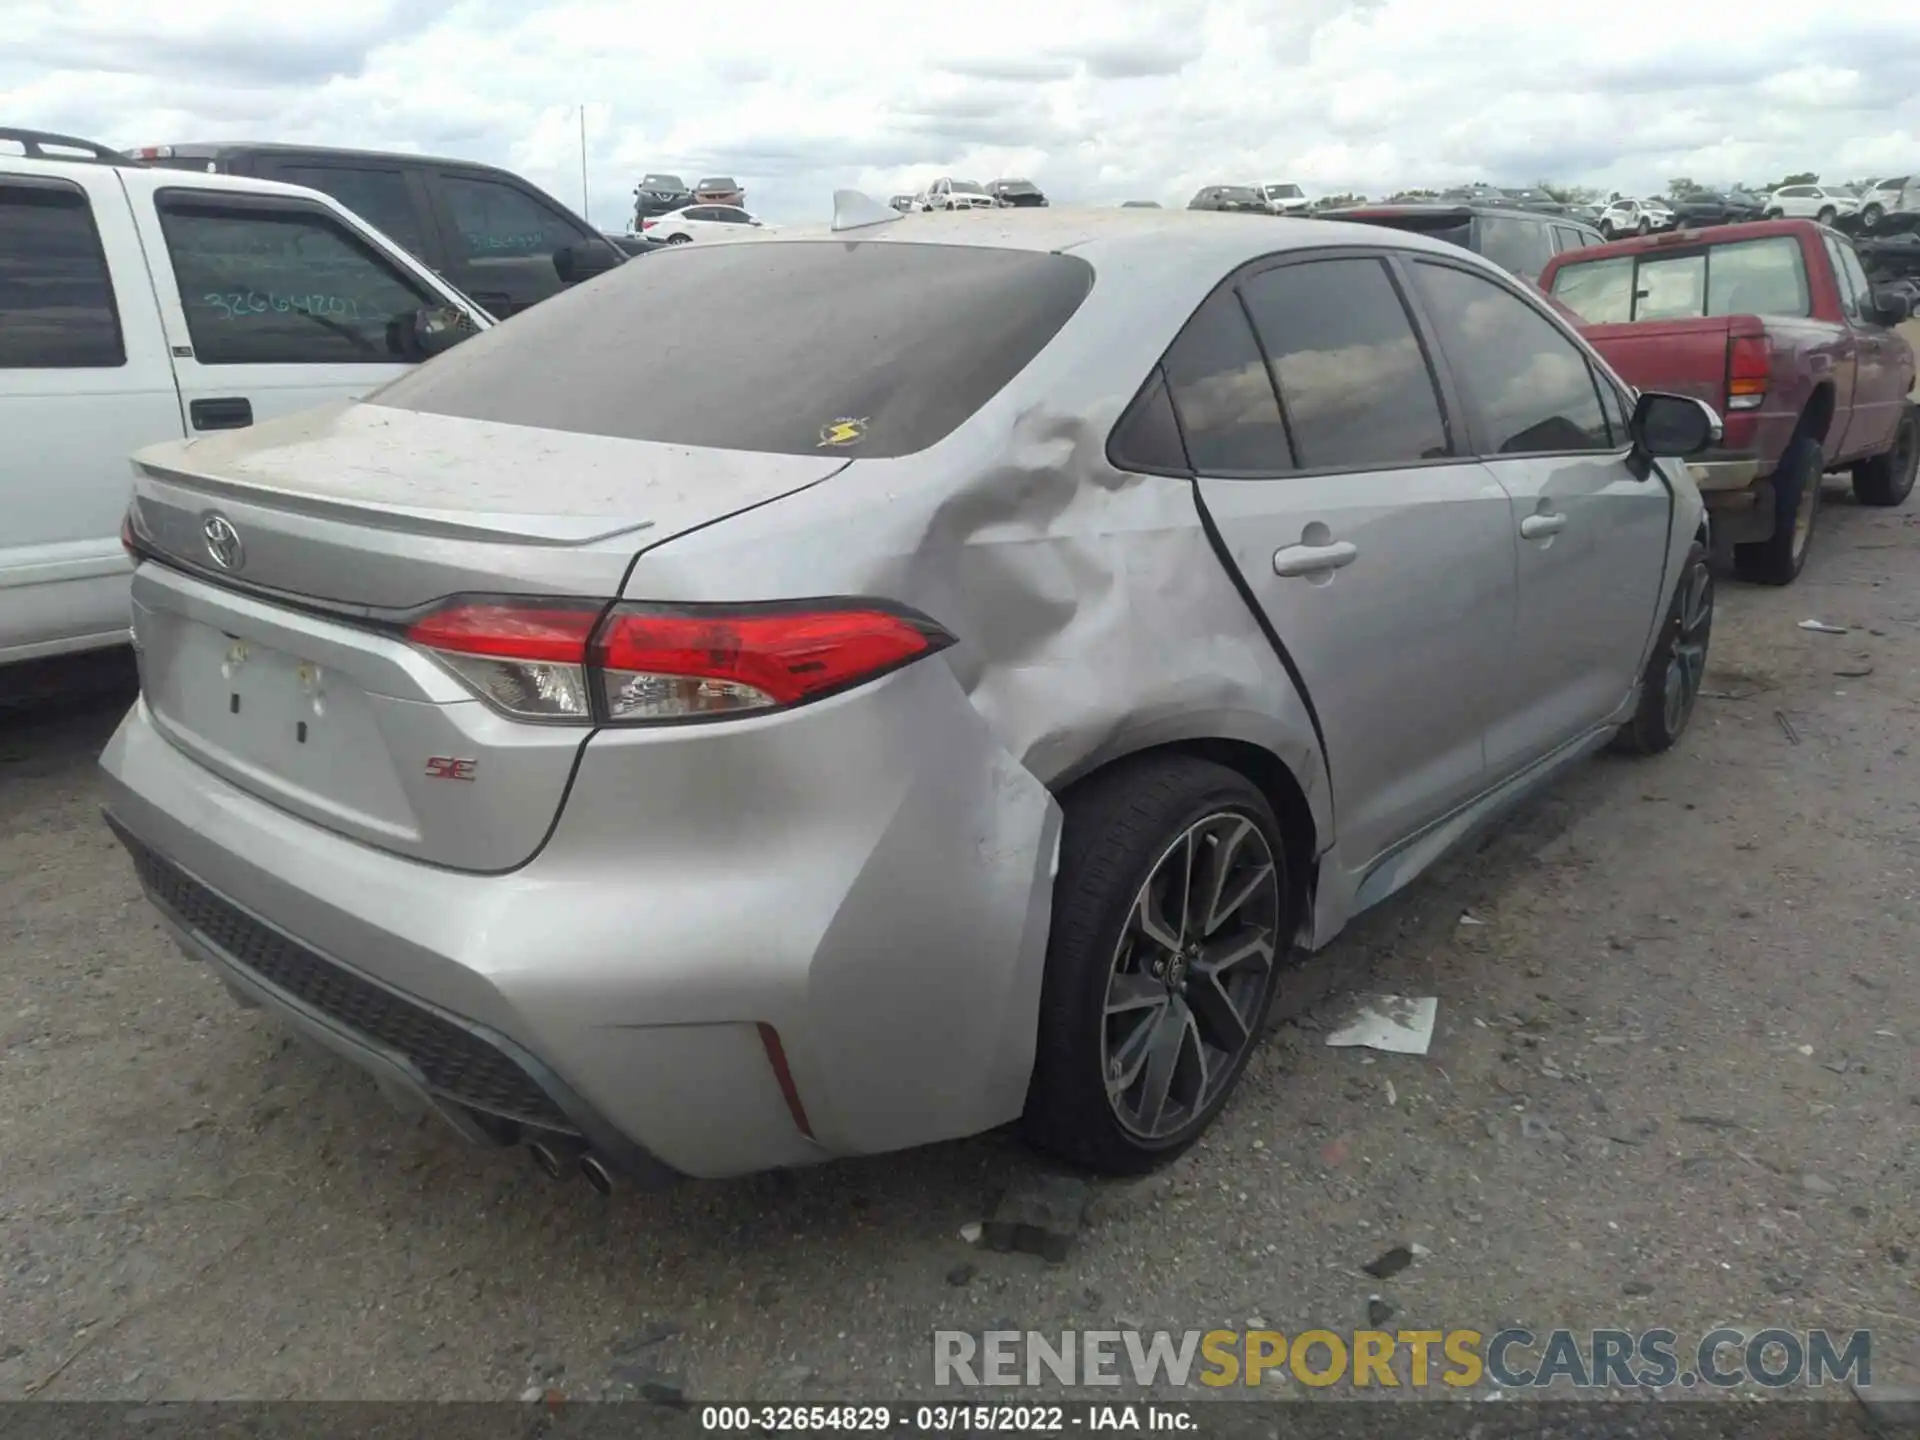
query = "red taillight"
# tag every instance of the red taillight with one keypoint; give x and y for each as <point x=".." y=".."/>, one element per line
<point x="1748" y="369"/>
<point x="526" y="659"/>
<point x="129" y="542"/>
<point x="558" y="661"/>
<point x="648" y="224"/>
<point x="663" y="664"/>
<point x="510" y="632"/>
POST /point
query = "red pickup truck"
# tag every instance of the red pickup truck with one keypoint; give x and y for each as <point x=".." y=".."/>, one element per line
<point x="1775" y="325"/>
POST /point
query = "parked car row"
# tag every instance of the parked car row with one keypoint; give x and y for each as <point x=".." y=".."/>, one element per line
<point x="660" y="193"/>
<point x="1280" y="198"/>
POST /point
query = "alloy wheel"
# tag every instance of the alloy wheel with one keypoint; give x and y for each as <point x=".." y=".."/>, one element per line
<point x="1687" y="665"/>
<point x="1189" y="975"/>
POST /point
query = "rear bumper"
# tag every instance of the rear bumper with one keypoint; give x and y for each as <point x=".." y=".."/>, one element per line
<point x="617" y="987"/>
<point x="1717" y="474"/>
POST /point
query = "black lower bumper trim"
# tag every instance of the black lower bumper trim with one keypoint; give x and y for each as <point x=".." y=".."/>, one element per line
<point x="455" y="1059"/>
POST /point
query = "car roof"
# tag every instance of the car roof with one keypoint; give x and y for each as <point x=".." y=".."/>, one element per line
<point x="222" y="149"/>
<point x="159" y="177"/>
<point x="1463" y="208"/>
<point x="1211" y="238"/>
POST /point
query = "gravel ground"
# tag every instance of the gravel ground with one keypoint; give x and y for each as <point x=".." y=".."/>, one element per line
<point x="1674" y="1082"/>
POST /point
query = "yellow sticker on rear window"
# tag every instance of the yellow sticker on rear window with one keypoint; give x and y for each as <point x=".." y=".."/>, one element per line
<point x="844" y="431"/>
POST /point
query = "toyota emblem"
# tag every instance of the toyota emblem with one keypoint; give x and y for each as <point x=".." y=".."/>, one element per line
<point x="223" y="542"/>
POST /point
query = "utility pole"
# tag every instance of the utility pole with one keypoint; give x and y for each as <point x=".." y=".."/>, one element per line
<point x="586" y="205"/>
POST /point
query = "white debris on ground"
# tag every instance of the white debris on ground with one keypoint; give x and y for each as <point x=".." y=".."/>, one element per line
<point x="1397" y="1024"/>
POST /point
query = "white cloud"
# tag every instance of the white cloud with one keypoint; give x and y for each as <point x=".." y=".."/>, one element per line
<point x="1097" y="100"/>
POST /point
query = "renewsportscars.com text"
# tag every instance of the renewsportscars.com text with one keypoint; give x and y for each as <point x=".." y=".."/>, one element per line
<point x="1416" y="1359"/>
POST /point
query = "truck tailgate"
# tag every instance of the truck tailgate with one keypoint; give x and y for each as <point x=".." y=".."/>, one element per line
<point x="1680" y="357"/>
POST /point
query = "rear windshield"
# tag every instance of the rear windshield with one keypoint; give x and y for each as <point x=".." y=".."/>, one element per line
<point x="870" y="349"/>
<point x="1745" y="277"/>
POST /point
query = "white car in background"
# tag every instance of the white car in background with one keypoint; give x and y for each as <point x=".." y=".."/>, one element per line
<point x="1634" y="217"/>
<point x="1285" y="199"/>
<point x="1896" y="195"/>
<point x="949" y="194"/>
<point x="1824" y="203"/>
<point x="701" y="222"/>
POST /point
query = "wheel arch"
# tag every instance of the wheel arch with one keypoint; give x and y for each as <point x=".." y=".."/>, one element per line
<point x="1301" y="831"/>
<point x="1816" y="416"/>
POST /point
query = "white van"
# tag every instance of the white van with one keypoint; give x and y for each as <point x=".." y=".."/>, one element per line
<point x="141" y="304"/>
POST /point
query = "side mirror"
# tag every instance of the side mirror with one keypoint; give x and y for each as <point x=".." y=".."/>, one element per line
<point x="429" y="331"/>
<point x="1892" y="304"/>
<point x="1673" y="426"/>
<point x="574" y="263"/>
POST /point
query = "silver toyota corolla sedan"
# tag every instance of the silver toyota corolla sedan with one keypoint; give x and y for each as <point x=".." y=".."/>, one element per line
<point x="949" y="695"/>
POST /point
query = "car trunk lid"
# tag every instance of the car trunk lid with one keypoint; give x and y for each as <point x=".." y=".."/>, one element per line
<point x="285" y="670"/>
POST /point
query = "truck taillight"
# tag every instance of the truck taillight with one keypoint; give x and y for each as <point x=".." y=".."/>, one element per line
<point x="1748" y="368"/>
<point x="583" y="663"/>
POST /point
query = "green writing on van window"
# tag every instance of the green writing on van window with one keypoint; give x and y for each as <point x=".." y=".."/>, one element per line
<point x="480" y="242"/>
<point x="243" y="304"/>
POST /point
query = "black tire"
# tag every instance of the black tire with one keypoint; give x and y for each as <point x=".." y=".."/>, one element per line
<point x="1779" y="558"/>
<point x="1887" y="478"/>
<point x="1119" y="829"/>
<point x="1871" y="215"/>
<point x="679" y="239"/>
<point x="1643" y="227"/>
<point x="1774" y="215"/>
<point x="1670" y="687"/>
<point x="1826" y="215"/>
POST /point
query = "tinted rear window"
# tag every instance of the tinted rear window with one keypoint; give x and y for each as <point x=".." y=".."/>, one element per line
<point x="869" y="349"/>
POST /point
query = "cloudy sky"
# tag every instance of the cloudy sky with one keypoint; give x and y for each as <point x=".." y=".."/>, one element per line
<point x="1098" y="102"/>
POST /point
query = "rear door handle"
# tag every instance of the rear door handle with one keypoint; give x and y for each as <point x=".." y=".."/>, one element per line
<point x="233" y="412"/>
<point x="1313" y="559"/>
<point x="1538" y="527"/>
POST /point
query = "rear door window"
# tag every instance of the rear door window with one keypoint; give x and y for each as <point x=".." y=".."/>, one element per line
<point x="826" y="347"/>
<point x="1353" y="380"/>
<point x="282" y="284"/>
<point x="381" y="197"/>
<point x="56" y="297"/>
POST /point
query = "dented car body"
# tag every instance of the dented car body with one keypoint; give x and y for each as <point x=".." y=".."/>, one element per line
<point x="860" y="742"/>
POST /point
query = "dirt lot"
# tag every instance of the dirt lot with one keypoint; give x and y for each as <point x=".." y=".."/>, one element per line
<point x="1674" y="1081"/>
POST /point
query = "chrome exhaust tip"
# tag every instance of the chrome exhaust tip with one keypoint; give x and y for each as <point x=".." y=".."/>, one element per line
<point x="597" y="1174"/>
<point x="547" y="1159"/>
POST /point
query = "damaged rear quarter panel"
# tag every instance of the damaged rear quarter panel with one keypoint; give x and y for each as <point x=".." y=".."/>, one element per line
<point x="1094" y="620"/>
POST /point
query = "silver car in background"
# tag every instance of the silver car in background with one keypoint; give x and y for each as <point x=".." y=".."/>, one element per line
<point x="842" y="742"/>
